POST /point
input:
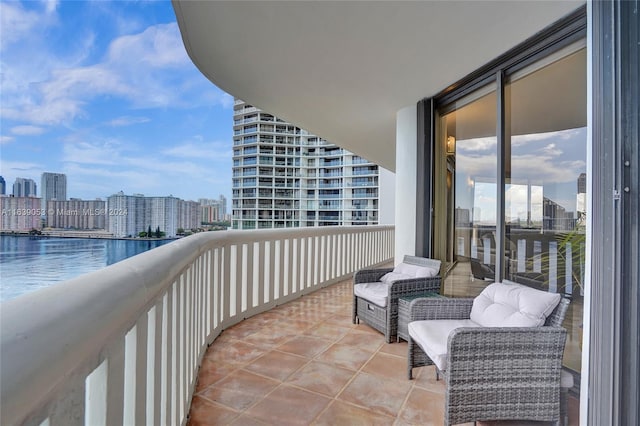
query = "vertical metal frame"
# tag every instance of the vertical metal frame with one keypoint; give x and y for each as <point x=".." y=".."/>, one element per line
<point x="500" y="177"/>
<point x="614" y="360"/>
<point x="424" y="176"/>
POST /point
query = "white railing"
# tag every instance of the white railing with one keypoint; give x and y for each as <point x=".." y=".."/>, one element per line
<point x="122" y="345"/>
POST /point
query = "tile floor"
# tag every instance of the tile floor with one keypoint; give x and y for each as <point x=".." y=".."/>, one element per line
<point x="305" y="363"/>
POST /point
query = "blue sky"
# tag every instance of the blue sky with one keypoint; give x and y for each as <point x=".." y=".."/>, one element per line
<point x="105" y="92"/>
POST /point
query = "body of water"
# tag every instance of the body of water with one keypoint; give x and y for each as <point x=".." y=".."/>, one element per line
<point x="30" y="263"/>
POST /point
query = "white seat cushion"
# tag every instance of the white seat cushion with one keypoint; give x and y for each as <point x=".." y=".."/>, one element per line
<point x="376" y="293"/>
<point x="512" y="305"/>
<point x="432" y="337"/>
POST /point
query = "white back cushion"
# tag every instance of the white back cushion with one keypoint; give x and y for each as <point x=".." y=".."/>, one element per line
<point x="415" y="271"/>
<point x="512" y="305"/>
<point x="394" y="276"/>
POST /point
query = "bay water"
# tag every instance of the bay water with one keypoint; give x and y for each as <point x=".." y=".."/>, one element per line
<point x="30" y="263"/>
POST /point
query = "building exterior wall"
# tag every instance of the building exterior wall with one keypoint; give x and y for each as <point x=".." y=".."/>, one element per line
<point x="76" y="214"/>
<point x="189" y="216"/>
<point x="20" y="213"/>
<point x="285" y="177"/>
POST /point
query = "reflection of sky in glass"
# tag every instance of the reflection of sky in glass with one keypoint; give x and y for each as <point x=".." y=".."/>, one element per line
<point x="549" y="161"/>
<point x="484" y="212"/>
<point x="519" y="202"/>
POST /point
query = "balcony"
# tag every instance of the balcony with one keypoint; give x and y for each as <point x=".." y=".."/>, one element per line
<point x="123" y="345"/>
<point x="307" y="353"/>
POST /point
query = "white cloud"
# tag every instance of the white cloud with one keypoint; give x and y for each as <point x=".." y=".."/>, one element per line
<point x="105" y="153"/>
<point x="476" y="144"/>
<point x="128" y="121"/>
<point x="551" y="150"/>
<point x="10" y="170"/>
<point x="51" y="5"/>
<point x="6" y="139"/>
<point x="16" y="23"/>
<point x="27" y="130"/>
<point x="518" y="140"/>
<point x="203" y="150"/>
<point x="149" y="69"/>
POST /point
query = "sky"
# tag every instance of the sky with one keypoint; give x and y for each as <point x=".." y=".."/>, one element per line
<point x="105" y="92"/>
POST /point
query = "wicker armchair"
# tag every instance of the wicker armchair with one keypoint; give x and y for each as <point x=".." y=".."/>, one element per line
<point x="495" y="373"/>
<point x="385" y="318"/>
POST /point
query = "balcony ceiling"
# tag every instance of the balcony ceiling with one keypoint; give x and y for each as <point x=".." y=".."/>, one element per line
<point x="342" y="70"/>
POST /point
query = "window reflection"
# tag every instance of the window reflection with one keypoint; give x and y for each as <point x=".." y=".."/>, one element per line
<point x="544" y="193"/>
<point x="545" y="184"/>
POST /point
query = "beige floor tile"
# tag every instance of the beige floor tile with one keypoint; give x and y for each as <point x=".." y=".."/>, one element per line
<point x="276" y="365"/>
<point x="329" y="331"/>
<point x="376" y="393"/>
<point x="423" y="408"/>
<point x="205" y="412"/>
<point x="346" y="356"/>
<point x="245" y="420"/>
<point x="270" y="337"/>
<point x="390" y="367"/>
<point x="340" y="413"/>
<point x="212" y="371"/>
<point x="361" y="340"/>
<point x="307" y="346"/>
<point x="395" y="348"/>
<point x="287" y="405"/>
<point x="234" y="352"/>
<point x="321" y="378"/>
<point x="425" y="377"/>
<point x="240" y="390"/>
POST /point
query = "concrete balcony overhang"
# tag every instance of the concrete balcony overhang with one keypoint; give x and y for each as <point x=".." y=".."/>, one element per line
<point x="343" y="70"/>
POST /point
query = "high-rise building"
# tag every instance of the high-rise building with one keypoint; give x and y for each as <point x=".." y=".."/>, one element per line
<point x="213" y="210"/>
<point x="128" y="215"/>
<point x="3" y="186"/>
<point x="24" y="188"/>
<point x="20" y="213"/>
<point x="582" y="183"/>
<point x="125" y="214"/>
<point x="189" y="214"/>
<point x="76" y="214"/>
<point x="161" y="213"/>
<point x="53" y="186"/>
<point x="283" y="176"/>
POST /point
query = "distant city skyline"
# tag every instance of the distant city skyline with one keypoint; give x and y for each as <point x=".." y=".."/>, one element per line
<point x="105" y="93"/>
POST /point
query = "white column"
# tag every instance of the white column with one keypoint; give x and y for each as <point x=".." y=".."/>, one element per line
<point x="386" y="196"/>
<point x="406" y="172"/>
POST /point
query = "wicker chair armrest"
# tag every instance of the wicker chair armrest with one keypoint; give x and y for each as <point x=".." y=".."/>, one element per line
<point x="492" y="351"/>
<point x="413" y="286"/>
<point x="370" y="275"/>
<point x="433" y="308"/>
<point x="504" y="373"/>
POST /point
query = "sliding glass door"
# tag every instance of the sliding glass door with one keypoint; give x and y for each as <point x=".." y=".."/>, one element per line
<point x="518" y="199"/>
<point x="468" y="154"/>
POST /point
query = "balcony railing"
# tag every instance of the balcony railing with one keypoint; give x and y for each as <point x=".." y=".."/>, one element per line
<point x="122" y="345"/>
